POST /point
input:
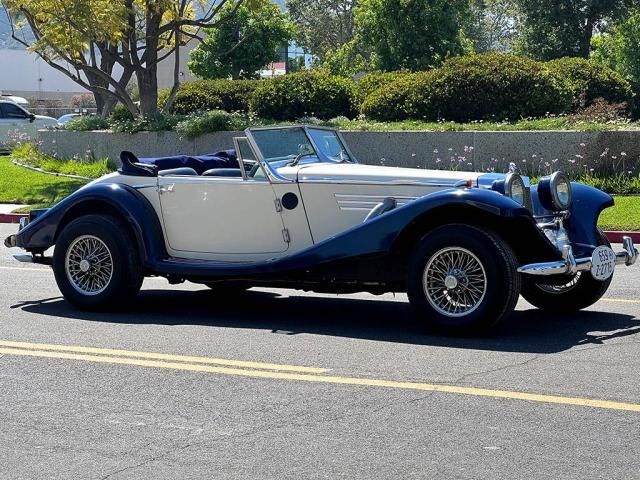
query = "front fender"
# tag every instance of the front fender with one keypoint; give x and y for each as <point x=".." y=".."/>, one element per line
<point x="130" y="205"/>
<point x="381" y="234"/>
<point x="588" y="204"/>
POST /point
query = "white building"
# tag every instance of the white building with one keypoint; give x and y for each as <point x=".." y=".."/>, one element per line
<point x="27" y="75"/>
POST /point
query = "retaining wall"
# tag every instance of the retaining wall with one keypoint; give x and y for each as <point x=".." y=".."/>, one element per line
<point x="534" y="152"/>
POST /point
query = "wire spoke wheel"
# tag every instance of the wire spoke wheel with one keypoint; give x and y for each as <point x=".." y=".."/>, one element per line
<point x="454" y="282"/>
<point x="89" y="265"/>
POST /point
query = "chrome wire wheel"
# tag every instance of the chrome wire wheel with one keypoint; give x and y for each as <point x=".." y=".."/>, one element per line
<point x="454" y="282"/>
<point x="89" y="265"/>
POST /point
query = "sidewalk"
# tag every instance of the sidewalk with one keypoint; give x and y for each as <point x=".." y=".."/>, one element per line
<point x="10" y="207"/>
<point x="5" y="213"/>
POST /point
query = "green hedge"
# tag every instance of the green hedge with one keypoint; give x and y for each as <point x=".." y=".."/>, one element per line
<point x="491" y="87"/>
<point x="304" y="94"/>
<point x="374" y="81"/>
<point x="205" y="95"/>
<point x="496" y="87"/>
<point x="409" y="96"/>
<point x="588" y="81"/>
<point x="478" y="87"/>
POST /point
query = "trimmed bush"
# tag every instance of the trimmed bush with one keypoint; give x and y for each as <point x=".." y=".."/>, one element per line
<point x="497" y="87"/>
<point x="199" y="124"/>
<point x="409" y="96"/>
<point x="479" y="87"/>
<point x="87" y="122"/>
<point x="310" y="93"/>
<point x="205" y="95"/>
<point x="588" y="81"/>
<point x="374" y="81"/>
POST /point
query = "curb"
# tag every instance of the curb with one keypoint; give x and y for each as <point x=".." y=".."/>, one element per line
<point x="12" y="217"/>
<point x="39" y="170"/>
<point x="616" y="237"/>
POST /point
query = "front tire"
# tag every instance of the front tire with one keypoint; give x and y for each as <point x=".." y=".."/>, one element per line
<point x="94" y="264"/>
<point x="463" y="280"/>
<point x="580" y="292"/>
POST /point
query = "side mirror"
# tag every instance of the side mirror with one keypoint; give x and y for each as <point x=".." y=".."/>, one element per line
<point x="32" y="118"/>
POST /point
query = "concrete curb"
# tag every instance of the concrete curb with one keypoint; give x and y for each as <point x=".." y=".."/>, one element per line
<point x="39" y="170"/>
<point x="12" y="217"/>
<point x="616" y="237"/>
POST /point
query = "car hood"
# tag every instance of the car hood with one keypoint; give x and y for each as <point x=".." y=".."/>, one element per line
<point x="359" y="173"/>
<point x="44" y="120"/>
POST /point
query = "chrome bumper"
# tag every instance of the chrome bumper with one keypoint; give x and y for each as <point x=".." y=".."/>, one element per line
<point x="569" y="265"/>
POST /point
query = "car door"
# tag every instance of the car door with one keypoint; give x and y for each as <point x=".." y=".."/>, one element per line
<point x="14" y="123"/>
<point x="222" y="218"/>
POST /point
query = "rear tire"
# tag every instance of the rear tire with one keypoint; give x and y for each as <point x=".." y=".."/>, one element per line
<point x="581" y="292"/>
<point x="94" y="263"/>
<point x="463" y="280"/>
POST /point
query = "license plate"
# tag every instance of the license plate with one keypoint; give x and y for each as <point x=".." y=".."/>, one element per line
<point x="603" y="263"/>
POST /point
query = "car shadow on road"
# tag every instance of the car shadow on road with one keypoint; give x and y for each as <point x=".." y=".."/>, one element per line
<point x="377" y="319"/>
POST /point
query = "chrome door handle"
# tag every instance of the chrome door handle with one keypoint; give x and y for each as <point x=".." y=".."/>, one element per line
<point x="169" y="188"/>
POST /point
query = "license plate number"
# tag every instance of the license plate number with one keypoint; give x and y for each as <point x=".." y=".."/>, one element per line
<point x="603" y="263"/>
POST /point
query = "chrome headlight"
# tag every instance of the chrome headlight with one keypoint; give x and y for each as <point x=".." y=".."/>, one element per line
<point x="555" y="192"/>
<point x="514" y="187"/>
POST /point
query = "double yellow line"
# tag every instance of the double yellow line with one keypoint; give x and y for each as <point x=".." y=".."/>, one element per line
<point x="279" y="372"/>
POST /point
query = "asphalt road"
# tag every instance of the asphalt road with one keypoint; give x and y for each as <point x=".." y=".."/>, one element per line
<point x="357" y="392"/>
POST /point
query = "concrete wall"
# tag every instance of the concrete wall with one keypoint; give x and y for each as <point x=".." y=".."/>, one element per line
<point x="533" y="152"/>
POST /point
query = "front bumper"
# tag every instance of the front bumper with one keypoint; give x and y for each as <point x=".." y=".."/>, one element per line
<point x="569" y="265"/>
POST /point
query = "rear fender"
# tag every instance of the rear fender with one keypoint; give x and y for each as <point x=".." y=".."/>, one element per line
<point x="120" y="200"/>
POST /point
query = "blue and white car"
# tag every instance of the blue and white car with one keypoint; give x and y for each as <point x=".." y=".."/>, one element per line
<point x="291" y="207"/>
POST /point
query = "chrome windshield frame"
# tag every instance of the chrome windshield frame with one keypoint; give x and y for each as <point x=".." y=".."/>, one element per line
<point x="272" y="173"/>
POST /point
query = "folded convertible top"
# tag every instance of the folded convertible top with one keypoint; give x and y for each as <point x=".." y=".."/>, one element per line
<point x="200" y="163"/>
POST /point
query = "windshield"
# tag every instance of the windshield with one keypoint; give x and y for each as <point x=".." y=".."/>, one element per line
<point x="297" y="143"/>
<point x="329" y="144"/>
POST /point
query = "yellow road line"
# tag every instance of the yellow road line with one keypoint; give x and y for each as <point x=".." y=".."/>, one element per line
<point x="620" y="300"/>
<point x="369" y="382"/>
<point x="163" y="356"/>
<point x="28" y="269"/>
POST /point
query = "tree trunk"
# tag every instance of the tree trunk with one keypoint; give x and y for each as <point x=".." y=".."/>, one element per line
<point x="148" y="85"/>
<point x="585" y="41"/>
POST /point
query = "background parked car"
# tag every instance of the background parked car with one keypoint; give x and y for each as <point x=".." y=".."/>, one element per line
<point x="64" y="119"/>
<point x="15" y="121"/>
<point x="43" y="121"/>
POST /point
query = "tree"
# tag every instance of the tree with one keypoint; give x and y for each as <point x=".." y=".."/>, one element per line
<point x="619" y="48"/>
<point x="492" y="25"/>
<point x="564" y="28"/>
<point x="67" y="43"/>
<point x="103" y="44"/>
<point x="411" y="34"/>
<point x="244" y="41"/>
<point x="322" y="26"/>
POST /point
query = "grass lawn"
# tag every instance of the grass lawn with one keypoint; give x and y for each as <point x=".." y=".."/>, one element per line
<point x="624" y="216"/>
<point x="19" y="185"/>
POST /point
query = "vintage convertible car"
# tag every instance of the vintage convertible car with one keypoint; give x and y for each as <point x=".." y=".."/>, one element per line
<point x="291" y="207"/>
